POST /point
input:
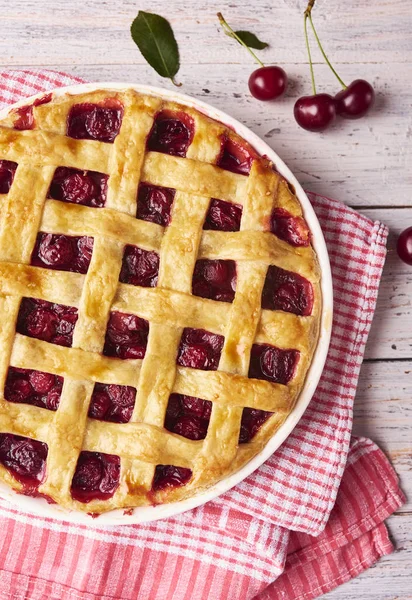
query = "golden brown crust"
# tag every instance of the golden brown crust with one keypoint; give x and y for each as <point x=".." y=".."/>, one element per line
<point x="143" y="442"/>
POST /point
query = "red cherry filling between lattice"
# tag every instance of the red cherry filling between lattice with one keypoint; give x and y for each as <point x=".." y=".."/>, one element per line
<point x="112" y="403"/>
<point x="171" y="133"/>
<point x="235" y="157"/>
<point x="26" y="386"/>
<point x="62" y="252"/>
<point x="287" y="291"/>
<point x="154" y="204"/>
<point x="223" y="216"/>
<point x="25" y="459"/>
<point x="25" y="118"/>
<point x="292" y="230"/>
<point x="188" y="416"/>
<point x="47" y="321"/>
<point x="168" y="476"/>
<point x="215" y="279"/>
<point x="88" y="188"/>
<point x="140" y="267"/>
<point x="272" y="364"/>
<point x="95" y="122"/>
<point x="126" y="336"/>
<point x="252" y="421"/>
<point x="199" y="349"/>
<point x="96" y="476"/>
<point x="7" y="172"/>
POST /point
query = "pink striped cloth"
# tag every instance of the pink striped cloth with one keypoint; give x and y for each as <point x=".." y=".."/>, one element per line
<point x="259" y="539"/>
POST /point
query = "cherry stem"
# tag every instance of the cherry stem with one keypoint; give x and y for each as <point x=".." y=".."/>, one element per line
<point x="229" y="31"/>
<point x="312" y="74"/>
<point x="172" y="79"/>
<point x="309" y="7"/>
<point x="324" y="53"/>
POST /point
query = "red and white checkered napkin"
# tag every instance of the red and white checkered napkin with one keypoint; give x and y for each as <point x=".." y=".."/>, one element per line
<point x="240" y="546"/>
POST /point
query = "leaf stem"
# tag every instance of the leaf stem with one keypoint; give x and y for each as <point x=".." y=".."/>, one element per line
<point x="229" y="31"/>
<point x="173" y="80"/>
<point x="312" y="74"/>
<point x="309" y="14"/>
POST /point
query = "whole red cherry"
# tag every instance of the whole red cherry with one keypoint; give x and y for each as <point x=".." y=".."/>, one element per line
<point x="315" y="113"/>
<point x="354" y="101"/>
<point x="404" y="246"/>
<point x="268" y="83"/>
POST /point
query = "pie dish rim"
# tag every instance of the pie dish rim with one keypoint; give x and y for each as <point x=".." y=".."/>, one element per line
<point x="143" y="514"/>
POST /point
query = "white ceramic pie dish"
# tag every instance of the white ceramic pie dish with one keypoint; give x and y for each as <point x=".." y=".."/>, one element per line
<point x="151" y="513"/>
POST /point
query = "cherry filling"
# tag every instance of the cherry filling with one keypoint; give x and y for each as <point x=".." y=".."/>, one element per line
<point x="113" y="403"/>
<point x="273" y="364"/>
<point x="25" y="459"/>
<point x="171" y="135"/>
<point x="25" y="118"/>
<point x="33" y="387"/>
<point x="287" y="291"/>
<point x="215" y="279"/>
<point x="188" y="416"/>
<point x="235" y="157"/>
<point x="79" y="187"/>
<point x="140" y="267"/>
<point x="96" y="477"/>
<point x="167" y="476"/>
<point x="223" y="216"/>
<point x="200" y="349"/>
<point x="155" y="204"/>
<point x="126" y="336"/>
<point x="252" y="421"/>
<point x="7" y="171"/>
<point x="62" y="252"/>
<point x="292" y="230"/>
<point x="94" y="122"/>
<point x="47" y="321"/>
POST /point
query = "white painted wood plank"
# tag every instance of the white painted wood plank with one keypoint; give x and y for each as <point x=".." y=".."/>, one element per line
<point x="363" y="163"/>
<point x="80" y="32"/>
<point x="391" y="331"/>
<point x="383" y="412"/>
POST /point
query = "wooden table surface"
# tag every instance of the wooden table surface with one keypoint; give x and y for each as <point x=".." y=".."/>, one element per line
<point x="365" y="163"/>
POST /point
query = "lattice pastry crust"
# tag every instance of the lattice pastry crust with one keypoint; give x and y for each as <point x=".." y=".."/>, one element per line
<point x="143" y="442"/>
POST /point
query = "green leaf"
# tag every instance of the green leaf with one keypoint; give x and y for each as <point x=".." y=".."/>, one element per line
<point x="251" y="40"/>
<point x="155" y="39"/>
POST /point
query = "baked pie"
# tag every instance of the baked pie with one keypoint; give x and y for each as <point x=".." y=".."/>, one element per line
<point x="159" y="300"/>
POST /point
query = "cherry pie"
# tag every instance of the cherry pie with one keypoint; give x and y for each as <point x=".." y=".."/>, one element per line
<point x="159" y="300"/>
